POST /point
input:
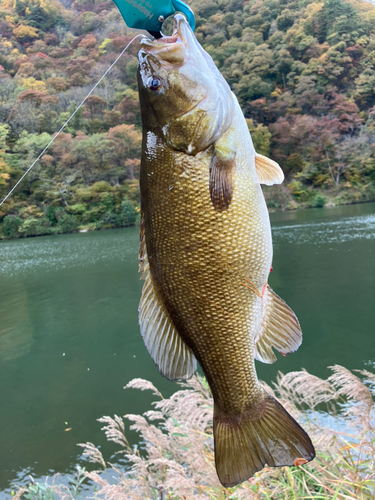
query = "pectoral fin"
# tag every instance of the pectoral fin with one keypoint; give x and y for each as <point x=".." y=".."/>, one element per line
<point x="174" y="359"/>
<point x="221" y="178"/>
<point x="269" y="172"/>
<point x="280" y="329"/>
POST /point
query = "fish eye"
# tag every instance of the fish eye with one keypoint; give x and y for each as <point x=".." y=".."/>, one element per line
<point x="154" y="83"/>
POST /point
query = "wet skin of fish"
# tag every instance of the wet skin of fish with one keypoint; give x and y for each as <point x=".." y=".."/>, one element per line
<point x="206" y="253"/>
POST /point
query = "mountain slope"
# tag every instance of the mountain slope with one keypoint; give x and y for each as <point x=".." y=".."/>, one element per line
<point x="303" y="72"/>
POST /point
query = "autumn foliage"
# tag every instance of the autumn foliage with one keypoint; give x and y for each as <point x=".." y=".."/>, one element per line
<point x="303" y="73"/>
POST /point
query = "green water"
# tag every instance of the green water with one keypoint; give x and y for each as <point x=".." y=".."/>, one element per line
<point x="69" y="337"/>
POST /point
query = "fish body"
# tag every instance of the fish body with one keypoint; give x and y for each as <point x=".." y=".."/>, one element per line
<point x="206" y="253"/>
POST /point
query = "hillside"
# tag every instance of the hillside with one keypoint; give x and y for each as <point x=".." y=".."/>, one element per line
<point x="303" y="72"/>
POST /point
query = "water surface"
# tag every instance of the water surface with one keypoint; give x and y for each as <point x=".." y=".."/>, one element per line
<point x="69" y="336"/>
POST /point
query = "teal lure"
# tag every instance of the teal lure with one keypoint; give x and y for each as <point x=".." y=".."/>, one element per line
<point x="150" y="14"/>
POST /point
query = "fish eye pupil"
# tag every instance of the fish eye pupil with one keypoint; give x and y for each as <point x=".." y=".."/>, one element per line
<point x="154" y="83"/>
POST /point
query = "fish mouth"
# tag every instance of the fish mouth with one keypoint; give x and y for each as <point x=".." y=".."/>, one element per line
<point x="170" y="48"/>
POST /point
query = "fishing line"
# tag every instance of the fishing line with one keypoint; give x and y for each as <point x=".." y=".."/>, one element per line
<point x="68" y="120"/>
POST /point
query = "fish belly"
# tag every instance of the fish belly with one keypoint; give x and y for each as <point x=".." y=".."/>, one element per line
<point x="199" y="260"/>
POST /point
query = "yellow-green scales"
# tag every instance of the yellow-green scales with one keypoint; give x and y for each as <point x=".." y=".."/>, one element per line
<point x="206" y="253"/>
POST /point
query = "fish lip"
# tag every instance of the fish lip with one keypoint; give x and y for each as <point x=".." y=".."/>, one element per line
<point x="168" y="42"/>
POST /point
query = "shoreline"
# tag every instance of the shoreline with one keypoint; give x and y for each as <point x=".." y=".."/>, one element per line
<point x="297" y="207"/>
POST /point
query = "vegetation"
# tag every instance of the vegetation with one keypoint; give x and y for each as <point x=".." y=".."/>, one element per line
<point x="47" y="491"/>
<point x="177" y="460"/>
<point x="302" y="70"/>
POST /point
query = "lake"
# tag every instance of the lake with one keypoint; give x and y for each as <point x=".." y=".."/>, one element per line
<point x="69" y="335"/>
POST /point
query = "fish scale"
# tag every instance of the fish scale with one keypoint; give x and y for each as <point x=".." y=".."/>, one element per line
<point x="206" y="253"/>
<point x="199" y="281"/>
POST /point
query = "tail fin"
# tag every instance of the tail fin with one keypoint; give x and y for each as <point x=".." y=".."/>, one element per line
<point x="266" y="435"/>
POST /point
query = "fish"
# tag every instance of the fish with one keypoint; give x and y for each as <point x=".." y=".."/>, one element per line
<point x="206" y="253"/>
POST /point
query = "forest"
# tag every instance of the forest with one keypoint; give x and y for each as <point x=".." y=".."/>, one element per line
<point x="303" y="71"/>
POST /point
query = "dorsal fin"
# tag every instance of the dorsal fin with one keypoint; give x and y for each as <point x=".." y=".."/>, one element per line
<point x="174" y="359"/>
<point x="280" y="328"/>
<point x="269" y="172"/>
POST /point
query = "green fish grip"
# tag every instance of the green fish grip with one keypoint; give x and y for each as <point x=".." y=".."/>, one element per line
<point x="150" y="14"/>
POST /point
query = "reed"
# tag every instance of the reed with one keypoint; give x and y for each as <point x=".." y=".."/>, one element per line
<point x="176" y="460"/>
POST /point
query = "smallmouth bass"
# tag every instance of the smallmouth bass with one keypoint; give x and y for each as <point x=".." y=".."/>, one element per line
<point x="206" y="253"/>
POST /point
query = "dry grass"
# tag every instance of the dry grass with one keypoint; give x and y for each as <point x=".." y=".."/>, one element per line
<point x="177" y="462"/>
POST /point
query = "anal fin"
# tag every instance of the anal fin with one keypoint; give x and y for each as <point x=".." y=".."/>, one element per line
<point x="280" y="328"/>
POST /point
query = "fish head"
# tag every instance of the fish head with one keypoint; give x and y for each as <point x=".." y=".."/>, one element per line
<point x="182" y="93"/>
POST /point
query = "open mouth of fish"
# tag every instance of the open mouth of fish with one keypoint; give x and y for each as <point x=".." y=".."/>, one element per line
<point x="170" y="48"/>
<point x="174" y="38"/>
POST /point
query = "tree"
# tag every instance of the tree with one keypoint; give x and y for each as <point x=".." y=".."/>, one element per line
<point x="4" y="174"/>
<point x="11" y="226"/>
<point x="91" y="156"/>
<point x="261" y="137"/>
<point x="348" y="114"/>
<point x="336" y="16"/>
<point x="125" y="144"/>
<point x="25" y="33"/>
<point x="28" y="147"/>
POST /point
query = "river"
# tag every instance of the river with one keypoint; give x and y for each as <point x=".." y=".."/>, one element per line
<point x="69" y="336"/>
